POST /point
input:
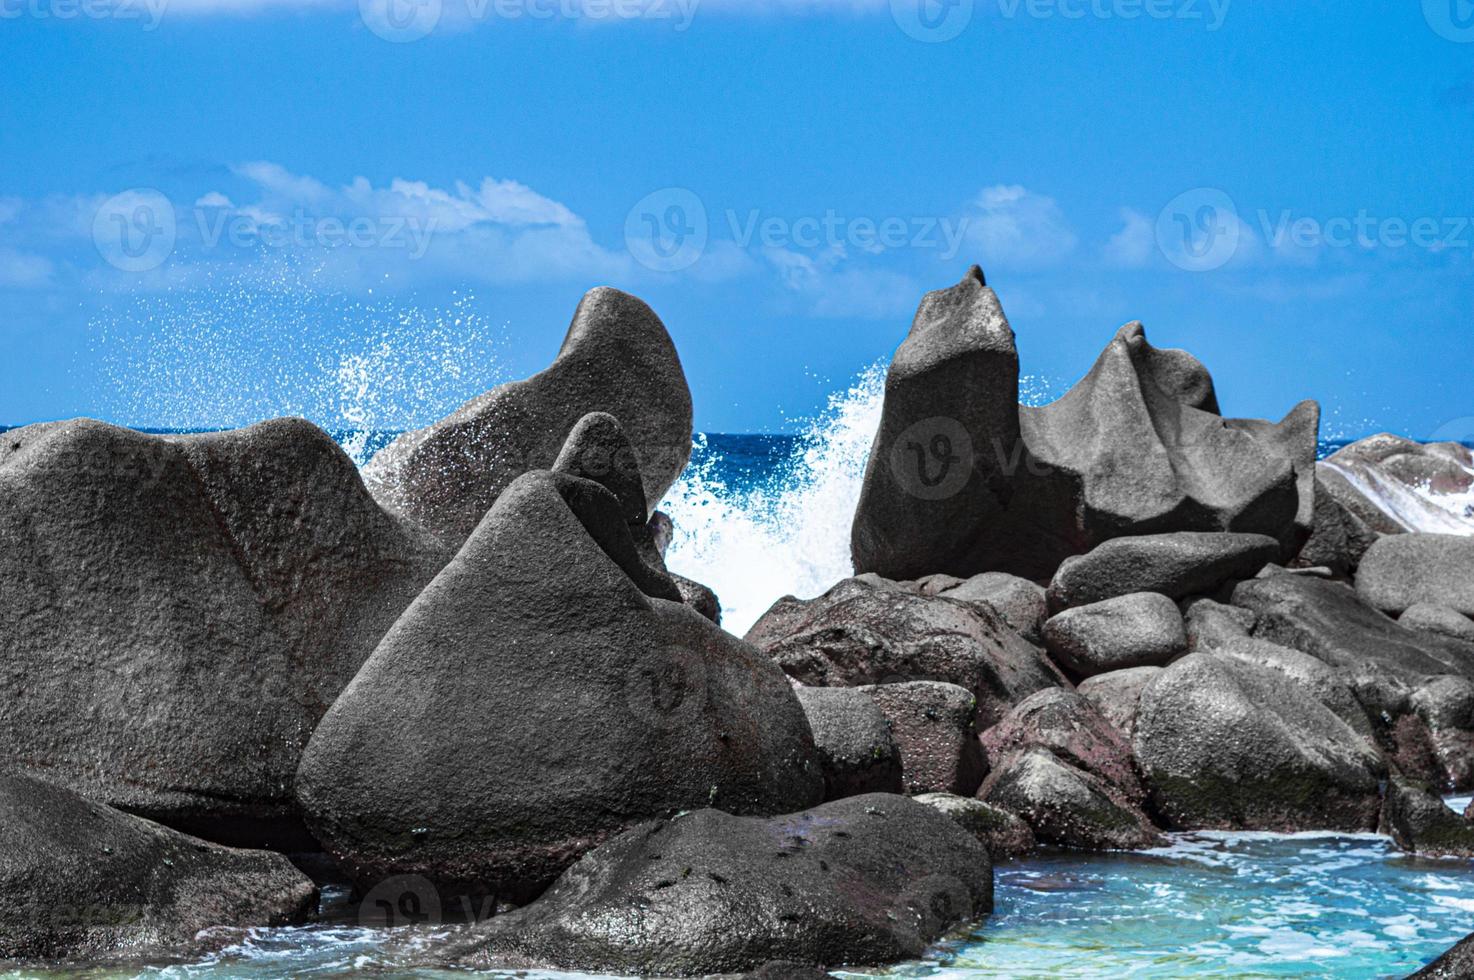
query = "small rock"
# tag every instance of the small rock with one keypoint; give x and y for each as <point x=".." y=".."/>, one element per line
<point x="1004" y="834"/>
<point x="856" y="750"/>
<point x="1176" y="565"/>
<point x="1117" y="696"/>
<point x="1140" y="630"/>
<point x="1425" y="617"/>
<point x="934" y="727"/>
<point x="1065" y="806"/>
<point x="1419" y="822"/>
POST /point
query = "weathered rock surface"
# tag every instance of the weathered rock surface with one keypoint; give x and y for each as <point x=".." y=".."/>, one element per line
<point x="1227" y="744"/>
<point x="867" y="880"/>
<point x="1140" y="630"/>
<point x="1065" y="806"/>
<point x="1339" y="535"/>
<point x="1312" y="675"/>
<point x="1210" y="624"/>
<point x="1456" y="964"/>
<point x="1419" y="822"/>
<point x="1445" y="706"/>
<point x="856" y="750"/>
<point x="1439" y="620"/>
<point x="1068" y="724"/>
<point x="84" y="881"/>
<point x="616" y="358"/>
<point x="1117" y="696"/>
<point x="1400" y="571"/>
<point x="177" y="612"/>
<point x="933" y="724"/>
<point x="544" y="693"/>
<point x="1176" y="565"/>
<point x="867" y="631"/>
<point x="1020" y="602"/>
<point x="962" y="480"/>
<point x="1004" y="835"/>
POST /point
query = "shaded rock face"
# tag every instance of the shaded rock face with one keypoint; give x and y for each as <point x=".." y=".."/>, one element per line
<point x="1069" y="725"/>
<point x="861" y="633"/>
<point x="856" y="750"/>
<point x="1403" y="570"/>
<point x="1020" y="602"/>
<point x="617" y="358"/>
<point x="1445" y="706"/>
<point x="1456" y="964"/>
<point x="867" y="880"/>
<point x="1438" y="620"/>
<point x="1065" y="806"/>
<point x="82" y="880"/>
<point x="1419" y="822"/>
<point x="1140" y="630"/>
<point x="205" y="597"/>
<point x="545" y="692"/>
<point x="1002" y="833"/>
<point x="1117" y="696"/>
<point x="933" y="726"/>
<point x="1226" y="744"/>
<point x="1176" y="565"/>
<point x="1339" y="535"/>
<point x="1209" y="623"/>
<point x="962" y="480"/>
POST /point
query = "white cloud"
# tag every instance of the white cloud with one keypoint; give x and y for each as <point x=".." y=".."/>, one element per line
<point x="1133" y="246"/>
<point x="830" y="287"/>
<point x="214" y="199"/>
<point x="21" y="271"/>
<point x="1011" y="225"/>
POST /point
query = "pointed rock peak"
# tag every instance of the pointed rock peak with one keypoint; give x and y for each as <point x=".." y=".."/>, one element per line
<point x="1175" y="372"/>
<point x="598" y="449"/>
<point x="976" y="274"/>
<point x="599" y="512"/>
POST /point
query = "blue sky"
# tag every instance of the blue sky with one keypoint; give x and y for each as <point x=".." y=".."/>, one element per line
<point x="213" y="211"/>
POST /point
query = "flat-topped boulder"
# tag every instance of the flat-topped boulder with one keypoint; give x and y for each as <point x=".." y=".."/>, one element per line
<point x="85" y="881"/>
<point x="547" y="691"/>
<point x="1401" y="571"/>
<point x="1176" y="565"/>
<point x="863" y="881"/>
<point x="962" y="479"/>
<point x="178" y="612"/>
<point x="616" y="358"/>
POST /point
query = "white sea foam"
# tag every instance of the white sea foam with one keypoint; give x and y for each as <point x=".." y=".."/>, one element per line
<point x="1415" y="508"/>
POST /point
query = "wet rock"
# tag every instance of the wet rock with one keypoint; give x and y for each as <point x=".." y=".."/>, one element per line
<point x="83" y="880"/>
<point x="1456" y="964"/>
<point x="933" y="724"/>
<point x="1231" y="745"/>
<point x="616" y="358"/>
<point x="1140" y="630"/>
<point x="962" y="480"/>
<point x="1004" y="835"/>
<point x="1065" y="806"/>
<point x="785" y="970"/>
<point x="177" y="612"/>
<point x="1068" y="724"/>
<point x="867" y="880"/>
<point x="1210" y="624"/>
<point x="857" y="753"/>
<point x="1117" y="696"/>
<point x="1438" y="620"/>
<point x="1419" y="822"/>
<point x="544" y="693"/>
<point x="1404" y="570"/>
<point x="1176" y="565"/>
<point x="862" y="632"/>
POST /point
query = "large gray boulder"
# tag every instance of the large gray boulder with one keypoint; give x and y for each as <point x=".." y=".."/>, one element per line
<point x="962" y="480"/>
<point x="1339" y="535"/>
<point x="1066" y="806"/>
<point x="178" y="612"/>
<point x="855" y="746"/>
<point x="1021" y="603"/>
<point x="616" y="358"/>
<point x="1226" y="744"/>
<point x="1313" y="676"/>
<point x="1140" y="630"/>
<point x="545" y="692"/>
<point x="863" y="881"/>
<point x="85" y="881"/>
<point x="1117" y="696"/>
<point x="1177" y="565"/>
<point x="933" y="725"/>
<point x="1403" y="570"/>
<point x="864" y="632"/>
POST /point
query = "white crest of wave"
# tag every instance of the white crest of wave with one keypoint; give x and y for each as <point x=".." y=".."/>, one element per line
<point x="789" y="534"/>
<point x="1416" y="508"/>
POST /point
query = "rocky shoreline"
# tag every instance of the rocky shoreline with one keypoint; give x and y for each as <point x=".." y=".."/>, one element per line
<point x="467" y="680"/>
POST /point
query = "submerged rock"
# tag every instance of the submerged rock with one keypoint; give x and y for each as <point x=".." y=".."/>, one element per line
<point x="1404" y="570"/>
<point x="933" y="724"/>
<point x="84" y="881"/>
<point x="1227" y="744"/>
<point x="1176" y="565"/>
<point x="616" y="358"/>
<point x="1004" y="835"/>
<point x="962" y="480"/>
<point x="177" y="612"/>
<point x="1419" y="822"/>
<point x="874" y="632"/>
<point x="856" y="750"/>
<point x="1065" y="806"/>
<point x="544" y="693"/>
<point x="1140" y="630"/>
<point x="867" y="880"/>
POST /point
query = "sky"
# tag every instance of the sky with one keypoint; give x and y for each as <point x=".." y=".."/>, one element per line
<point x="217" y="211"/>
